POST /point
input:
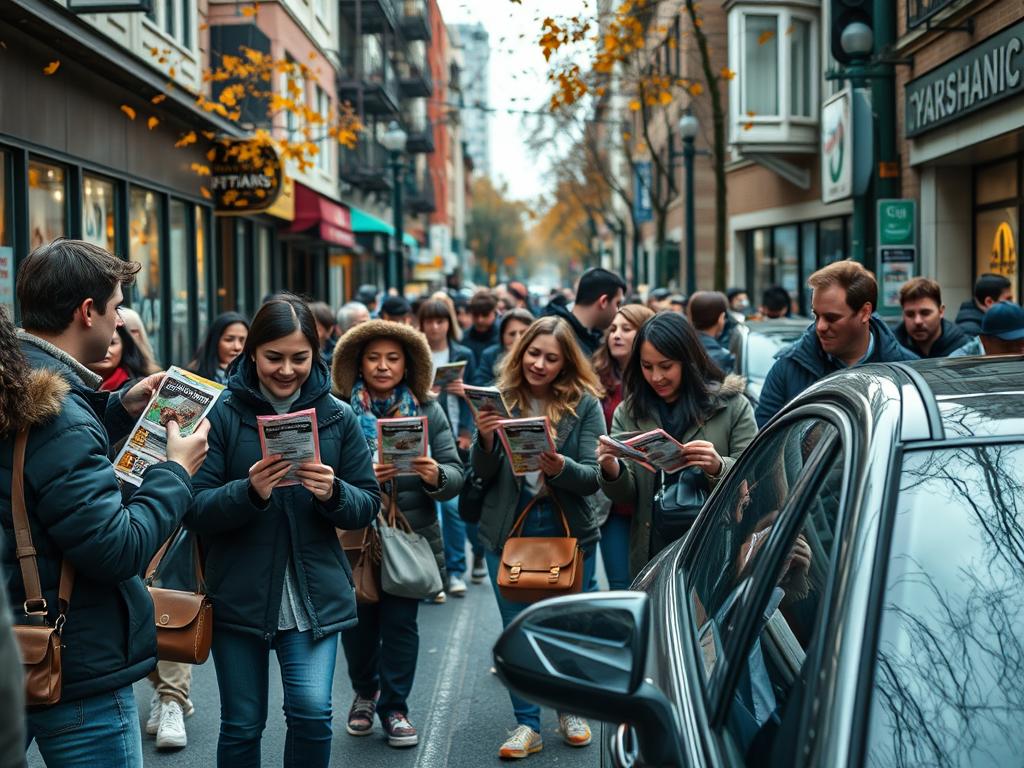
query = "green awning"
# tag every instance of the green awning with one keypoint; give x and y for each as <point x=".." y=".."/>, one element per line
<point x="363" y="222"/>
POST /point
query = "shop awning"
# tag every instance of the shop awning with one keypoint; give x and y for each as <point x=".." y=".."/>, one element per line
<point x="333" y="221"/>
<point x="363" y="222"/>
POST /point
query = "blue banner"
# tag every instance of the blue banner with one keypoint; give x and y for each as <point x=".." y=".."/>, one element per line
<point x="642" y="193"/>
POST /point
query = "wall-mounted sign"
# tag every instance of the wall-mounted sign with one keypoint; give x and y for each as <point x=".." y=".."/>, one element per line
<point x="110" y="6"/>
<point x="284" y="207"/>
<point x="837" y="148"/>
<point x="988" y="73"/>
<point x="896" y="239"/>
<point x="244" y="177"/>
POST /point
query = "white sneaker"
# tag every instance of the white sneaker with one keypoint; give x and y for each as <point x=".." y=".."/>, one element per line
<point x="440" y="598"/>
<point x="457" y="586"/>
<point x="171" y="733"/>
<point x="153" y="723"/>
<point x="522" y="742"/>
<point x="575" y="730"/>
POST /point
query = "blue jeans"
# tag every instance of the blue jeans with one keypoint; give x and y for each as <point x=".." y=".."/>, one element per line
<point x="101" y="731"/>
<point x="453" y="531"/>
<point x="615" y="550"/>
<point x="243" y="671"/>
<point x="543" y="520"/>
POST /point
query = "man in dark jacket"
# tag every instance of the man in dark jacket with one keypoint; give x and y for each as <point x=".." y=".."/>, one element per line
<point x="483" y="309"/>
<point x="707" y="312"/>
<point x="69" y="293"/>
<point x="845" y="333"/>
<point x="989" y="289"/>
<point x="924" y="330"/>
<point x="598" y="297"/>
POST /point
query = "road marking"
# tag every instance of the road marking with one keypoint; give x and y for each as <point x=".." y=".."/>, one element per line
<point x="437" y="743"/>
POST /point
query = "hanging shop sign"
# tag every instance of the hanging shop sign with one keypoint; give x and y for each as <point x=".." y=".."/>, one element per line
<point x="896" y="240"/>
<point x="990" y="72"/>
<point x="837" y="148"/>
<point x="244" y="177"/>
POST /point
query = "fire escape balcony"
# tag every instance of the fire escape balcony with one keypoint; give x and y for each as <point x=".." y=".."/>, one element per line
<point x="366" y="166"/>
<point x="373" y="15"/>
<point x="369" y="80"/>
<point x="415" y="23"/>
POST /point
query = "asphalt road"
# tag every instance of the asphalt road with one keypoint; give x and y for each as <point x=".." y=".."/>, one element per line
<point x="461" y="710"/>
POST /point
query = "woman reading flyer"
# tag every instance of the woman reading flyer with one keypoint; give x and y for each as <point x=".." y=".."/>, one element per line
<point x="274" y="567"/>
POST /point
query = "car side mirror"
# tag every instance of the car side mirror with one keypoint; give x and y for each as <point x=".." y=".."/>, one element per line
<point x="587" y="654"/>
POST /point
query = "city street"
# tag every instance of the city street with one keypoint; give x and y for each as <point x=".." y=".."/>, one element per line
<point x="461" y="710"/>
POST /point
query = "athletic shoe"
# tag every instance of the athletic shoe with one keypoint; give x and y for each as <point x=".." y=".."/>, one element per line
<point x="457" y="586"/>
<point x="439" y="599"/>
<point x="522" y="742"/>
<point x="400" y="731"/>
<point x="171" y="733"/>
<point x="153" y="723"/>
<point x="574" y="729"/>
<point x="479" y="573"/>
<point x="360" y="715"/>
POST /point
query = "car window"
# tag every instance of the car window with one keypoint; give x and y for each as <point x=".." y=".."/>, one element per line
<point x="949" y="670"/>
<point x="741" y="523"/>
<point x="760" y="352"/>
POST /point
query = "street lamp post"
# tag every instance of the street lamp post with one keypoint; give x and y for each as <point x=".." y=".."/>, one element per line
<point x="394" y="139"/>
<point x="688" y="127"/>
<point x="858" y="42"/>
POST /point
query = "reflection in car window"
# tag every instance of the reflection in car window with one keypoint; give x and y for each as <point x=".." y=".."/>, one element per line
<point x="744" y="518"/>
<point x="949" y="680"/>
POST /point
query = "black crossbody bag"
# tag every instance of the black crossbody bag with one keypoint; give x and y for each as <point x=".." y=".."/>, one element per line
<point x="678" y="501"/>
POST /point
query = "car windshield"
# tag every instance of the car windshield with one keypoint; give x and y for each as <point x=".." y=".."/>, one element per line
<point x="949" y="677"/>
<point x="760" y="351"/>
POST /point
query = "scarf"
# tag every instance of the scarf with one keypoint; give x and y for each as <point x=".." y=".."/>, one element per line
<point x="114" y="382"/>
<point x="401" y="402"/>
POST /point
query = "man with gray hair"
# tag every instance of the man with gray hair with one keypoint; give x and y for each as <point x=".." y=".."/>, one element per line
<point x="350" y="315"/>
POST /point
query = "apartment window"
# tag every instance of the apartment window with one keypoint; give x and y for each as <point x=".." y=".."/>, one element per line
<point x="98" y="211"/>
<point x="287" y="87"/>
<point x="46" y="203"/>
<point x="175" y="18"/>
<point x="323" y="108"/>
<point x="144" y="248"/>
<point x="760" y="65"/>
<point x="320" y="9"/>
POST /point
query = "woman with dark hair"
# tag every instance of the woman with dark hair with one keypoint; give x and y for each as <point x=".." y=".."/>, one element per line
<point x="610" y="362"/>
<point x="671" y="383"/>
<point x="511" y="326"/>
<point x="224" y="341"/>
<point x="384" y="370"/>
<point x="274" y="567"/>
<point x="123" y="363"/>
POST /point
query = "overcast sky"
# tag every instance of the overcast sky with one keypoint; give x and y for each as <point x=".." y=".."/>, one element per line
<point x="518" y="79"/>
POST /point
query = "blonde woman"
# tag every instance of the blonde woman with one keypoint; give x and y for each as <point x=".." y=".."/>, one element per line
<point x="133" y="322"/>
<point x="545" y="374"/>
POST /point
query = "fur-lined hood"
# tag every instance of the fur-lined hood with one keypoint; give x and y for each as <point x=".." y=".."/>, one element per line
<point x="46" y="391"/>
<point x="732" y="385"/>
<point x="348" y="354"/>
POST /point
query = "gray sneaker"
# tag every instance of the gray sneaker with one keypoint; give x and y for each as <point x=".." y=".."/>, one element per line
<point x="457" y="586"/>
<point x="479" y="572"/>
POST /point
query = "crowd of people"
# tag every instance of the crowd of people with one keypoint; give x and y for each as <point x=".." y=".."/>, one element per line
<point x="80" y="370"/>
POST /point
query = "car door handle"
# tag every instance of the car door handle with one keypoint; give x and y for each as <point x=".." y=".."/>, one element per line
<point x="624" y="746"/>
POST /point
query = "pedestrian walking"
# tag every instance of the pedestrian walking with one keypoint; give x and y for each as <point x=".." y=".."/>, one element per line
<point x="845" y="333"/>
<point x="610" y="363"/>
<point x="325" y="329"/>
<point x="224" y="341"/>
<point x="483" y="309"/>
<point x="989" y="289"/>
<point x="671" y="384"/>
<point x="69" y="292"/>
<point x="124" y="362"/>
<point x="708" y="311"/>
<point x="274" y="567"/>
<point x="545" y="374"/>
<point x="599" y="295"/>
<point x="384" y="370"/>
<point x="775" y="303"/>
<point x="924" y="330"/>
<point x="511" y="326"/>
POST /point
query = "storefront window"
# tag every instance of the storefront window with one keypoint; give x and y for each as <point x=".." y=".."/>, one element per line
<point x="787" y="262"/>
<point x="98" y="210"/>
<point x="242" y="267"/>
<point x="808" y="262"/>
<point x="760" y="242"/>
<point x="263" y="281"/>
<point x="6" y="251"/>
<point x="46" y="201"/>
<point x="202" y="275"/>
<point x="832" y="241"/>
<point x="800" y="67"/>
<point x="178" y="258"/>
<point x="144" y="243"/>
<point x="996" y="237"/>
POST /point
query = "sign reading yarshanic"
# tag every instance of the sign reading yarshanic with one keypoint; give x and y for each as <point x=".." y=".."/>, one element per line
<point x="245" y="177"/>
<point x="988" y="73"/>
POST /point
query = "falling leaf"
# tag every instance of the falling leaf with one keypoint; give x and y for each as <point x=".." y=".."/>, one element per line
<point x="209" y="135"/>
<point x="634" y="106"/>
<point x="203" y="27"/>
<point x="727" y="74"/>
<point x="250" y="10"/>
<point x="696" y="89"/>
<point x="312" y="55"/>
<point x="184" y="141"/>
<point x="765" y="36"/>
<point x="212" y="154"/>
<point x="52" y="67"/>
<point x="172" y="71"/>
<point x="128" y="111"/>
<point x="158" y="98"/>
<point x="152" y="123"/>
<point x="205" y="192"/>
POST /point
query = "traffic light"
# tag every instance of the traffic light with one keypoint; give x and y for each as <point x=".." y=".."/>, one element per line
<point x="853" y="38"/>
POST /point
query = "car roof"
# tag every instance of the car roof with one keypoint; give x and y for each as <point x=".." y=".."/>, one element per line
<point x="778" y="326"/>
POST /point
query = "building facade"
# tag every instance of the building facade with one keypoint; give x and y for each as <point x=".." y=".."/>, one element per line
<point x="475" y="44"/>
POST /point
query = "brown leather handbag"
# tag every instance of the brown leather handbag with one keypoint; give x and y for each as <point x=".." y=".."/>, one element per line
<point x="184" y="620"/>
<point x="538" y="567"/>
<point x="40" y="642"/>
<point x="362" y="548"/>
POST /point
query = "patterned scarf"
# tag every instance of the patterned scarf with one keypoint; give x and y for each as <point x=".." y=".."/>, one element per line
<point x="401" y="402"/>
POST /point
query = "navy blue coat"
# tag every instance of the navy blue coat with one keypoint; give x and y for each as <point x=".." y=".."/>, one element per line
<point x="247" y="544"/>
<point x="804" y="362"/>
<point x="485" y="369"/>
<point x="76" y="510"/>
<point x="719" y="355"/>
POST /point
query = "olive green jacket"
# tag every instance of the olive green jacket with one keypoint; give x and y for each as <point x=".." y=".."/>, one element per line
<point x="730" y="429"/>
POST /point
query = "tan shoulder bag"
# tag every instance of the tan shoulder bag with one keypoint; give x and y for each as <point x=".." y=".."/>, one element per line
<point x="184" y="620"/>
<point x="537" y="567"/>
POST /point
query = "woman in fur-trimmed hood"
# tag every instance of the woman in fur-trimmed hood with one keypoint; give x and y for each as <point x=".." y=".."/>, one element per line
<point x="383" y="370"/>
<point x="671" y="384"/>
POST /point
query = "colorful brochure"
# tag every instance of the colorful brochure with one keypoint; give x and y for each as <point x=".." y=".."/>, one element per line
<point x="292" y="435"/>
<point x="399" y="441"/>
<point x="655" y="450"/>
<point x="182" y="397"/>
<point x="448" y="373"/>
<point x="482" y="399"/>
<point x="525" y="440"/>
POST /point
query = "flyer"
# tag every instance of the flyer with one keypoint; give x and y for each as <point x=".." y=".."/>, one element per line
<point x="182" y="397"/>
<point x="449" y="373"/>
<point x="292" y="435"/>
<point x="658" y="450"/>
<point x="525" y="440"/>
<point x="482" y="399"/>
<point x="399" y="441"/>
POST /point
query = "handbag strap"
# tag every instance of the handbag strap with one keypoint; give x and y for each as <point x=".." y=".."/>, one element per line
<point x="152" y="570"/>
<point x="395" y="517"/>
<point x="35" y="603"/>
<point x="521" y="520"/>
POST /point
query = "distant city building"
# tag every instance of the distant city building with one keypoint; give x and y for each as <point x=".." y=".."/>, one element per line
<point x="476" y="93"/>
